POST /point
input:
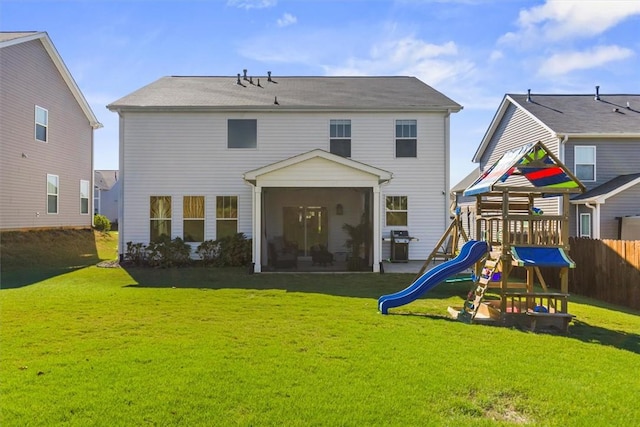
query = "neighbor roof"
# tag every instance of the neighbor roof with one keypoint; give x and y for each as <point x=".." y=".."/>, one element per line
<point x="105" y="179"/>
<point x="576" y="116"/>
<point x="8" y="39"/>
<point x="324" y="93"/>
<point x="608" y="189"/>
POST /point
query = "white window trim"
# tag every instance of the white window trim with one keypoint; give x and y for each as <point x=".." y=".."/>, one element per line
<point x="96" y="201"/>
<point x="35" y="124"/>
<point x="53" y="194"/>
<point x="396" y="138"/>
<point x="595" y="158"/>
<point x="88" y="197"/>
<point x="237" y="218"/>
<point x="580" y="230"/>
<point x="203" y="219"/>
<point x="343" y="137"/>
<point x="395" y="210"/>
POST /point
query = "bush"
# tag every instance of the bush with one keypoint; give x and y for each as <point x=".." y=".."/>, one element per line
<point x="231" y="251"/>
<point x="135" y="254"/>
<point x="168" y="253"/>
<point x="101" y="223"/>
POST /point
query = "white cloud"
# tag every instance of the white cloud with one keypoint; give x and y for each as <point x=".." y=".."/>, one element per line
<point x="568" y="19"/>
<point x="252" y="4"/>
<point x="431" y="63"/>
<point x="563" y="63"/>
<point x="286" y="20"/>
<point x="496" y="55"/>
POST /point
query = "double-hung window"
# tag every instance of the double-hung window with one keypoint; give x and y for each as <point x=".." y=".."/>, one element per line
<point x="84" y="197"/>
<point x="585" y="162"/>
<point x="397" y="211"/>
<point x="53" y="191"/>
<point x="159" y="217"/>
<point x="42" y="124"/>
<point x="242" y="133"/>
<point x="226" y="216"/>
<point x="406" y="138"/>
<point x="340" y="137"/>
<point x="193" y="217"/>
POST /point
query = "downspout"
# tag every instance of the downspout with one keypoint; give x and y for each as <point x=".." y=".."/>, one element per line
<point x="447" y="167"/>
<point x="561" y="156"/>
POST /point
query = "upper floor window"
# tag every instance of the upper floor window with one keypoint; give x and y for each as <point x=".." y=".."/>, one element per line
<point x="397" y="210"/>
<point x="84" y="197"/>
<point x="340" y="137"/>
<point x="226" y="216"/>
<point x="193" y="214"/>
<point x="406" y="138"/>
<point x="242" y="133"/>
<point x="585" y="163"/>
<point x="53" y="190"/>
<point x="42" y="124"/>
<point x="159" y="217"/>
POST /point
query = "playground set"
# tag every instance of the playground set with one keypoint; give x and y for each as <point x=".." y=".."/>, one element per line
<point x="511" y="234"/>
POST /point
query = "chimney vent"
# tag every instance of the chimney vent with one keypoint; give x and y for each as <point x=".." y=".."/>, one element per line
<point x="597" y="97"/>
<point x="528" y="95"/>
<point x="245" y="73"/>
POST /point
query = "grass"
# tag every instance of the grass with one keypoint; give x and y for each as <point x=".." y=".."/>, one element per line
<point x="108" y="346"/>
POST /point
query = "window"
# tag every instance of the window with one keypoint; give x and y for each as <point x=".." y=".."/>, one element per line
<point x="96" y="201"/>
<point x="160" y="217"/>
<point x="52" y="194"/>
<point x="406" y="142"/>
<point x="84" y="197"/>
<point x="193" y="216"/>
<point x="42" y="124"/>
<point x="226" y="216"/>
<point x="340" y="137"/>
<point x="585" y="163"/>
<point x="397" y="210"/>
<point x="242" y="133"/>
<point x="585" y="225"/>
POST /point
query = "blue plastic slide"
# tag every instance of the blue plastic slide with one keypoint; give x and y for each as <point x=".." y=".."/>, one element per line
<point x="471" y="252"/>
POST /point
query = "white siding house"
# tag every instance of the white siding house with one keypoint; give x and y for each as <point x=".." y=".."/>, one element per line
<point x="290" y="156"/>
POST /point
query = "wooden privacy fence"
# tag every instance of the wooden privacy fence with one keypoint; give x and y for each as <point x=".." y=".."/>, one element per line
<point x="608" y="270"/>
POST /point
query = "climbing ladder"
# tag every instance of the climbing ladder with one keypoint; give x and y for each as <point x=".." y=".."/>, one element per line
<point x="475" y="297"/>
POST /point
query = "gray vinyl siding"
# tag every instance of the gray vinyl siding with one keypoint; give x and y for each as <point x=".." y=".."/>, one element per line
<point x="614" y="157"/>
<point x="179" y="154"/>
<point x="28" y="78"/>
<point x="109" y="202"/>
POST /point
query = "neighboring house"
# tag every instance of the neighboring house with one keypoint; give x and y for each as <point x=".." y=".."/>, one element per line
<point x="292" y="157"/>
<point x="596" y="136"/>
<point x="46" y="137"/>
<point x="466" y="204"/>
<point x="106" y="192"/>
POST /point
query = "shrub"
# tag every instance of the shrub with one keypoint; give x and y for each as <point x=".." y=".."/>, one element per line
<point x="168" y="253"/>
<point x="101" y="223"/>
<point x="208" y="252"/>
<point x="136" y="253"/>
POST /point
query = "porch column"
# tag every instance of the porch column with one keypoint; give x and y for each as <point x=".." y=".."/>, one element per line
<point x="257" y="233"/>
<point x="377" y="236"/>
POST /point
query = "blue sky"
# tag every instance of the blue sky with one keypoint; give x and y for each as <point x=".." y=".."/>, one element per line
<point x="474" y="51"/>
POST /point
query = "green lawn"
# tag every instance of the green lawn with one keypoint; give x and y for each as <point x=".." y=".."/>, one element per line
<point x="196" y="346"/>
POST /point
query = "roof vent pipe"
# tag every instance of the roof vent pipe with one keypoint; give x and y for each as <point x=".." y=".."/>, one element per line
<point x="259" y="83"/>
<point x="251" y="80"/>
<point x="528" y="95"/>
<point x="275" y="101"/>
<point x="245" y="73"/>
<point x="628" y="106"/>
<point x="269" y="76"/>
<point x="238" y="82"/>
<point x="597" y="97"/>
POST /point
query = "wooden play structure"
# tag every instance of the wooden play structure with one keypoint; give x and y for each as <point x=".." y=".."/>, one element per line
<point x="522" y="237"/>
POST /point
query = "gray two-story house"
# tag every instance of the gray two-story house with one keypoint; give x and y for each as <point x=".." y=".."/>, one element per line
<point x="46" y="138"/>
<point x="597" y="136"/>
